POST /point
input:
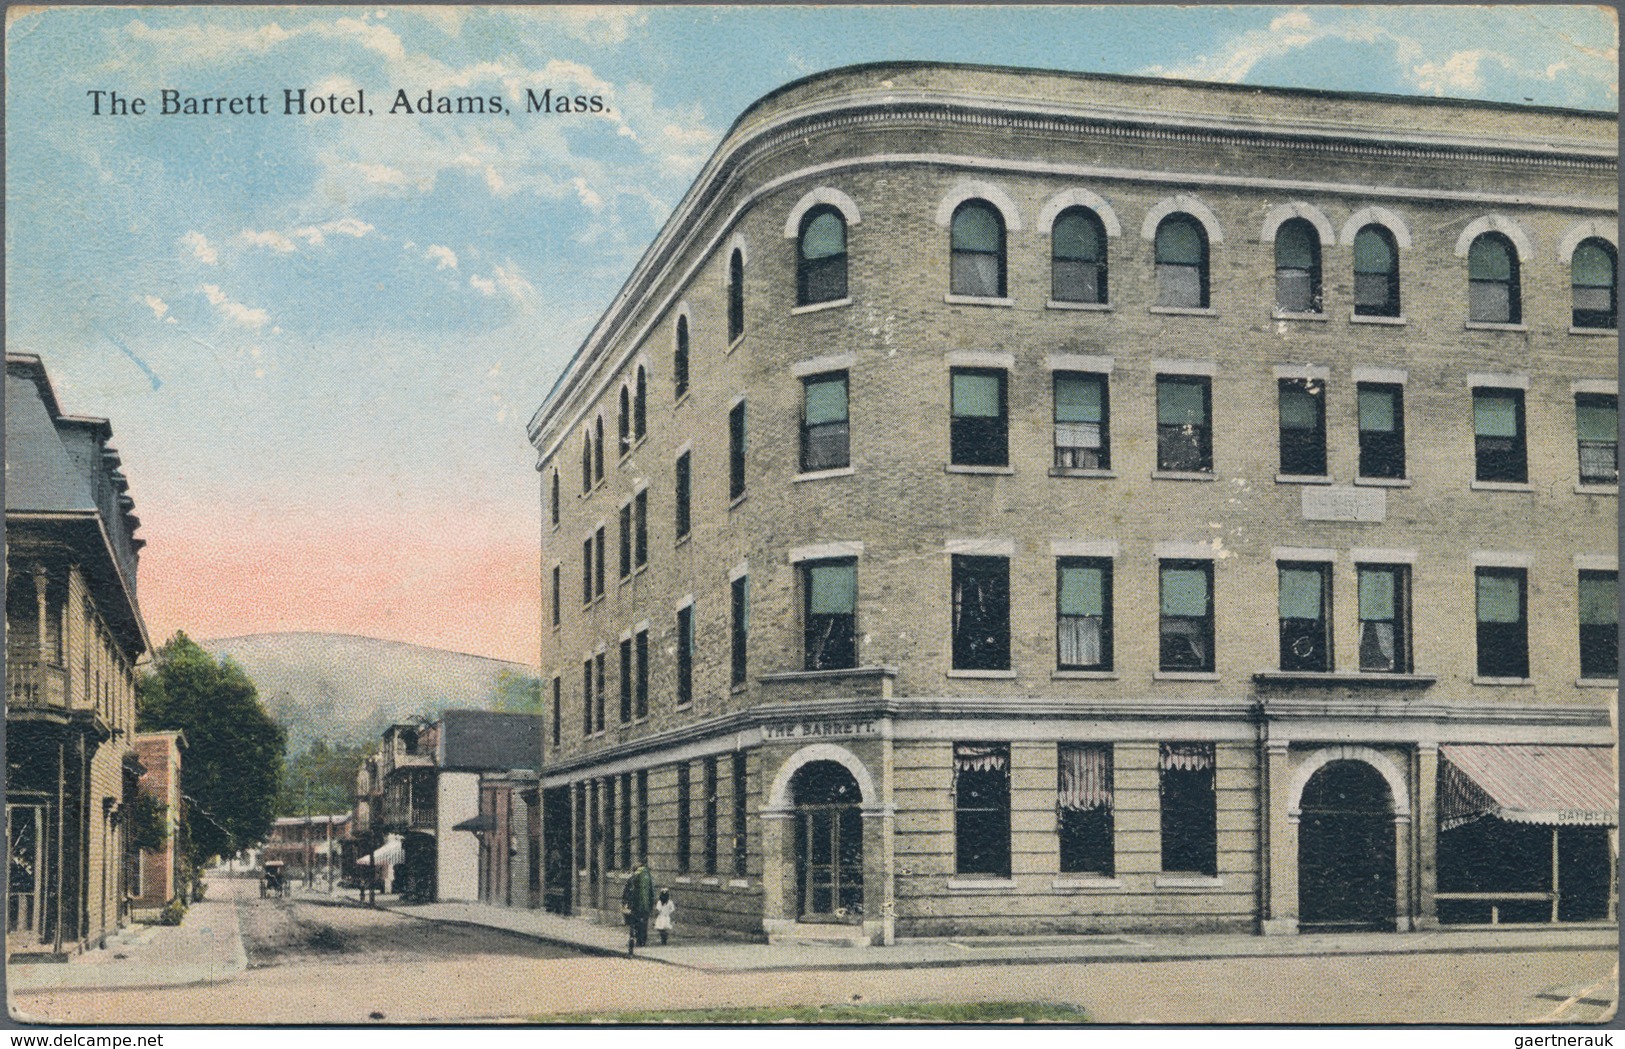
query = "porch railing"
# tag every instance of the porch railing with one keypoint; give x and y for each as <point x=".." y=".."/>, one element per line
<point x="31" y="684"/>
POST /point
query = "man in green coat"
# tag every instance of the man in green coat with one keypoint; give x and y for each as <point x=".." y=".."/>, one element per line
<point x="637" y="903"/>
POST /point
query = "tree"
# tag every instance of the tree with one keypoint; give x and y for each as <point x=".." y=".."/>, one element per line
<point x="321" y="780"/>
<point x="234" y="753"/>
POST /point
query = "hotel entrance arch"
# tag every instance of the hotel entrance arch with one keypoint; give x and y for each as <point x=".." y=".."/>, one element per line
<point x="1346" y="862"/>
<point x="828" y="843"/>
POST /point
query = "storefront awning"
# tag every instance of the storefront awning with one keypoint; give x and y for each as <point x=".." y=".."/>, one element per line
<point x="1549" y="786"/>
<point x="389" y="853"/>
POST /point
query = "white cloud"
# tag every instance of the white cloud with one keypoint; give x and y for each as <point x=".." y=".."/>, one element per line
<point x="158" y="306"/>
<point x="268" y="239"/>
<point x="236" y="312"/>
<point x="484" y="285"/>
<point x="594" y="24"/>
<point x="316" y="236"/>
<point x="508" y="282"/>
<point x="443" y="257"/>
<point x="201" y="249"/>
<point x="587" y="195"/>
<point x="1459" y="72"/>
<point x="381" y="174"/>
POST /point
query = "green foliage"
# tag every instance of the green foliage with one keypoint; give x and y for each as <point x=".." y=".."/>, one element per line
<point x="173" y="911"/>
<point x="321" y="780"/>
<point x="232" y="764"/>
<point x="517" y="694"/>
<point x="146" y="823"/>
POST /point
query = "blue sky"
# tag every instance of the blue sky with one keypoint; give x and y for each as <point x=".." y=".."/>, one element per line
<point x="319" y="338"/>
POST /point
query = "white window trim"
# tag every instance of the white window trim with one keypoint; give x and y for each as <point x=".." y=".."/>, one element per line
<point x="985" y="547"/>
<point x="686" y="601"/>
<point x="736" y="402"/>
<point x="812" y="199"/>
<point x="1498" y="380"/>
<point x="1365" y="555"/>
<point x="1317" y="372"/>
<point x="825" y="551"/>
<point x="1107" y="548"/>
<point x="1207" y="368"/>
<point x="738" y="571"/>
<point x="979" y="190"/>
<point x="979" y="359"/>
<point x="1079" y="362"/>
<point x="1184" y="550"/>
<point x="1386" y="376"/>
<point x="1595" y="386"/>
<point x="1501" y="224"/>
<point x="836" y="362"/>
<point x="1599" y="228"/>
<point x="1302" y="553"/>
<point x="682" y="449"/>
<point x="1503" y="559"/>
<point x="1077" y="197"/>
<point x="1378" y="216"/>
<point x="1596" y="562"/>
<point x="1190" y="205"/>
<point x="814" y="307"/>
<point x="641" y="628"/>
<point x="1277" y="216"/>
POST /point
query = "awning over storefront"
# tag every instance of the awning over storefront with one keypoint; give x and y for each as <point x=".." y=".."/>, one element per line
<point x="387" y="854"/>
<point x="1548" y="786"/>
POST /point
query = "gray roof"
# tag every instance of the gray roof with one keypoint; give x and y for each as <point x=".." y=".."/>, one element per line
<point x="489" y="741"/>
<point x="40" y="475"/>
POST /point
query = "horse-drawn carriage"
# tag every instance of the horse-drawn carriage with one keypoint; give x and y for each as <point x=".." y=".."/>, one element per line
<point x="273" y="879"/>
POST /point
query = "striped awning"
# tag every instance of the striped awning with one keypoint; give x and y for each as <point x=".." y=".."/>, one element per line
<point x="389" y="853"/>
<point x="1549" y="786"/>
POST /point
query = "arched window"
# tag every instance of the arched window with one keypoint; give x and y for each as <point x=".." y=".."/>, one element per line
<point x="821" y="256"/>
<point x="736" y="295"/>
<point x="1376" y="273"/>
<point x="1492" y="281"/>
<point x="1297" y="267"/>
<point x="555" y="498"/>
<point x="598" y="451"/>
<point x="977" y="247"/>
<point x="1594" y="270"/>
<point x="1078" y="257"/>
<point x="640" y="405"/>
<point x="624" y="421"/>
<point x="1181" y="262"/>
<point x="680" y="357"/>
<point x="586" y="462"/>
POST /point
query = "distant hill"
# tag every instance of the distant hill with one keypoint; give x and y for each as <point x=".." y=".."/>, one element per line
<point x="348" y="689"/>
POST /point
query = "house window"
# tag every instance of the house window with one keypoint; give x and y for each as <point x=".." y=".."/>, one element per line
<point x="586" y="697"/>
<point x="1082" y="437"/>
<point x="1596" y="418"/>
<point x="598" y="450"/>
<point x="586" y="571"/>
<point x="1303" y="426"/>
<point x="554" y="501"/>
<point x="626" y="681"/>
<point x="685" y="833"/>
<point x="600" y="687"/>
<point x="1599" y="624"/>
<point x="710" y="854"/>
<point x="741" y="630"/>
<point x="683" y="486"/>
<point x="1305" y="606"/>
<point x="1189" y="809"/>
<point x="1297" y="267"/>
<point x="640" y="405"/>
<point x="736" y="296"/>
<point x="643" y="815"/>
<point x="626" y="821"/>
<point x="1187" y="615"/>
<point x="1503" y="623"/>
<point x="739" y="799"/>
<point x="1385" y="636"/>
<point x="821" y="257"/>
<point x="1181" y="250"/>
<point x="1382" y="430"/>
<point x="981" y="612"/>
<point x="1184" y="428"/>
<point x="978" y="432"/>
<point x="598" y="562"/>
<point x="626" y="540"/>
<point x="685" y="655"/>
<point x="1083" y="613"/>
<point x="825" y="433"/>
<point x="558" y="707"/>
<point x="680" y="358"/>
<point x="557" y="592"/>
<point x="1492" y="281"/>
<point x="586" y="463"/>
<point x="977" y="248"/>
<point x="831" y="595"/>
<point x="1376" y="273"/>
<point x="1498" y="435"/>
<point x="1078" y="257"/>
<point x="623" y="421"/>
<point x="982" y="808"/>
<point x="641" y="695"/>
<point x="640" y="528"/>
<point x="1083" y="803"/>
<point x="1594" y="270"/>
<point x="736" y="451"/>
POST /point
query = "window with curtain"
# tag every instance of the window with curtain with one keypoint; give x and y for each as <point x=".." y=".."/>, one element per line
<point x="982" y="808"/>
<point x="1599" y="624"/>
<point x="1376" y="273"/>
<point x="1498" y="436"/>
<point x="830" y="591"/>
<point x="979" y="427"/>
<point x="1303" y="426"/>
<point x="1083" y="622"/>
<point x="1186" y="616"/>
<point x="1382" y="429"/>
<point x="821" y="257"/>
<point x="1305" y="605"/>
<point x="1596" y="421"/>
<point x="1503" y="625"/>
<point x="1078" y="257"/>
<point x="1189" y="808"/>
<point x="1384" y="598"/>
<point x="1082" y="434"/>
<point x="1184" y="430"/>
<point x="1182" y="263"/>
<point x="825" y="433"/>
<point x="976" y="241"/>
<point x="1083" y="802"/>
<point x="1594" y="272"/>
<point x="1297" y="267"/>
<point x="981" y="610"/>
<point x="1492" y="281"/>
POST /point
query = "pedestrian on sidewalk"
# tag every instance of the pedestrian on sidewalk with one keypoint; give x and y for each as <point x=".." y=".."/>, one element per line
<point x="637" y="900"/>
<point x="665" y="907"/>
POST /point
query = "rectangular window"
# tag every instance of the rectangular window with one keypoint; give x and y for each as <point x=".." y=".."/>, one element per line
<point x="578" y="795"/>
<point x="609" y="822"/>
<point x="710" y="816"/>
<point x="1305" y="606"/>
<point x="643" y="815"/>
<point x="1382" y="429"/>
<point x="1083" y="802"/>
<point x="595" y="820"/>
<point x="586" y="698"/>
<point x="626" y="540"/>
<point x="640" y="528"/>
<point x="1498" y="435"/>
<point x="736" y="451"/>
<point x="685" y="836"/>
<point x="1187" y="615"/>
<point x="685" y="480"/>
<point x="825" y="433"/>
<point x="982" y="808"/>
<point x="685" y="656"/>
<point x="1599" y="624"/>
<point x="740" y="799"/>
<point x="626" y="681"/>
<point x="1503" y="624"/>
<point x="586" y="571"/>
<point x="600" y="685"/>
<point x="1189" y="809"/>
<point x="1184" y="429"/>
<point x="1596" y="417"/>
<point x="641" y="708"/>
<point x="1083" y="613"/>
<point x="1385" y="635"/>
<point x="978" y="430"/>
<point x="558" y="707"/>
<point x="626" y="821"/>
<point x="598" y="563"/>
<point x="981" y="612"/>
<point x="741" y="630"/>
<point x="1082" y="436"/>
<point x="1303" y="426"/>
<point x="830" y="590"/>
<point x="557" y="593"/>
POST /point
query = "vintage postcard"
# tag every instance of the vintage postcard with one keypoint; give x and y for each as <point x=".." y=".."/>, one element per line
<point x="792" y="514"/>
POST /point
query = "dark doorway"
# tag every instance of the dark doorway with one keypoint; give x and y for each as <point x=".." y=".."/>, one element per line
<point x="1346" y="849"/>
<point x="1583" y="864"/>
<point x="556" y="846"/>
<point x="829" y="843"/>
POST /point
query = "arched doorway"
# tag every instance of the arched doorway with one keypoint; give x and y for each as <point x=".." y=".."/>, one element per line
<point x="829" y="843"/>
<point x="1346" y="849"/>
